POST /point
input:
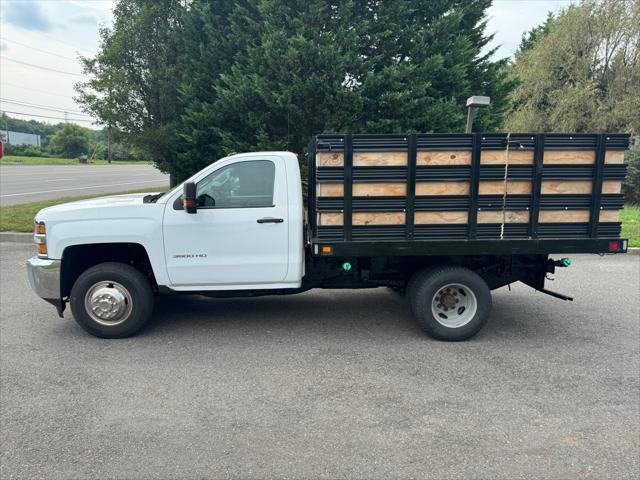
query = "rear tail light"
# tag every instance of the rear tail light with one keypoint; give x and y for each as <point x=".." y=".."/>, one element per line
<point x="618" y="245"/>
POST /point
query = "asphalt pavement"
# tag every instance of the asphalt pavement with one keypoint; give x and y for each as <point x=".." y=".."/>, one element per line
<point x="31" y="183"/>
<point x="327" y="384"/>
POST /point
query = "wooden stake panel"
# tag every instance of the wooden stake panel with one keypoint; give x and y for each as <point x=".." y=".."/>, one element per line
<point x="395" y="183"/>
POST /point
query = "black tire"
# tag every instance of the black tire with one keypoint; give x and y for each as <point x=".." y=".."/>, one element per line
<point x="136" y="285"/>
<point x="425" y="285"/>
<point x="414" y="281"/>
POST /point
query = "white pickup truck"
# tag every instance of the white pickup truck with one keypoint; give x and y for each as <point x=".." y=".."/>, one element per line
<point x="238" y="228"/>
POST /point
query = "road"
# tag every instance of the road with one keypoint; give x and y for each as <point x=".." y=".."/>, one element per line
<point x="328" y="384"/>
<point x="30" y="183"/>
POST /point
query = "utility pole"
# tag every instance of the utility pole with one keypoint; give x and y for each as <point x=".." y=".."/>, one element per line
<point x="109" y="153"/>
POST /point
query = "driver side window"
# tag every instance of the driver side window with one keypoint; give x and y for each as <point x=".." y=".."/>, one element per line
<point x="239" y="185"/>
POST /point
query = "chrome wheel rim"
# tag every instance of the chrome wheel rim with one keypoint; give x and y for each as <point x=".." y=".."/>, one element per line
<point x="454" y="305"/>
<point x="108" y="303"/>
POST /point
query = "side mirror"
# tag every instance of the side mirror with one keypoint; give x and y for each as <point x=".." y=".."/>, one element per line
<point x="189" y="198"/>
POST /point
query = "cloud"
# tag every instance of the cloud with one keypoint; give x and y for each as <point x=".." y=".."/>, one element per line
<point x="3" y="46"/>
<point x="84" y="18"/>
<point x="27" y="15"/>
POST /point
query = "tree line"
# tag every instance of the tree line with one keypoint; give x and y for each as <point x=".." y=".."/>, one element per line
<point x="67" y="140"/>
<point x="190" y="81"/>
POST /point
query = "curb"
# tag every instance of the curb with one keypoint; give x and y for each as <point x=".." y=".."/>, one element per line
<point x="20" y="237"/>
<point x="16" y="237"/>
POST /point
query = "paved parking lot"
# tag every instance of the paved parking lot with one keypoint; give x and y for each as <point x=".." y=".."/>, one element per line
<point x="328" y="384"/>
<point x="31" y="183"/>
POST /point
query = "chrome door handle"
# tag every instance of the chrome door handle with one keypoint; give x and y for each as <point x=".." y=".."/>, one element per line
<point x="270" y="220"/>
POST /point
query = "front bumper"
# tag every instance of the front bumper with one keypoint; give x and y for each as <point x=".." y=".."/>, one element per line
<point x="44" y="278"/>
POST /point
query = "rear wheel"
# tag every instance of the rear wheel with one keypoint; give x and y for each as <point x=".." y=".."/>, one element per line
<point x="111" y="300"/>
<point x="449" y="302"/>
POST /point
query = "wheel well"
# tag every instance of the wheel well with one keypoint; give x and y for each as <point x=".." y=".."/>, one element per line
<point x="78" y="258"/>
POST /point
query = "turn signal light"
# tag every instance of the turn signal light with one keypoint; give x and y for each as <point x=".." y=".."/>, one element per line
<point x="614" y="245"/>
<point x="40" y="239"/>
<point x="327" y="249"/>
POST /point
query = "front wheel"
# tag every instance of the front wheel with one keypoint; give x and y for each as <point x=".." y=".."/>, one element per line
<point x="450" y="303"/>
<point x="111" y="300"/>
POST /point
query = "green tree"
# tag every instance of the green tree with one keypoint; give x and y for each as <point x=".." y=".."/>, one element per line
<point x="530" y="38"/>
<point x="135" y="77"/>
<point x="583" y="74"/>
<point x="71" y="141"/>
<point x="45" y="130"/>
<point x="631" y="186"/>
<point x="189" y="82"/>
<point x="339" y="66"/>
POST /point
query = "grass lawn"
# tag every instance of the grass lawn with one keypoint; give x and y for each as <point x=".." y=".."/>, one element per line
<point x="630" y="217"/>
<point x="58" y="161"/>
<point x="19" y="218"/>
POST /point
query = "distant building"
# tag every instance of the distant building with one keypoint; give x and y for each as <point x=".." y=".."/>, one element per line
<point x="20" y="138"/>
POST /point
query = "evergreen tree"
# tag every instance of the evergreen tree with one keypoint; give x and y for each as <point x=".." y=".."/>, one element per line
<point x="191" y="81"/>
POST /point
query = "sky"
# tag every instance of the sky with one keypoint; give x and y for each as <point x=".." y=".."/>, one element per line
<point x="40" y="41"/>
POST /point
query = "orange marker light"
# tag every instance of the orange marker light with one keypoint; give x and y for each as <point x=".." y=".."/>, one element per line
<point x="41" y="229"/>
<point x="42" y="249"/>
<point x="327" y="249"/>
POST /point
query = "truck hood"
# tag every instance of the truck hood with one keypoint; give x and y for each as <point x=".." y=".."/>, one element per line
<point x="128" y="205"/>
<point x="100" y="202"/>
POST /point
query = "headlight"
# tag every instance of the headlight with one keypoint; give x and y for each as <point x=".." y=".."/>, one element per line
<point x="40" y="239"/>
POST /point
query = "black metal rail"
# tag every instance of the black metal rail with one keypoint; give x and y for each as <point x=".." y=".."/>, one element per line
<point x="359" y="237"/>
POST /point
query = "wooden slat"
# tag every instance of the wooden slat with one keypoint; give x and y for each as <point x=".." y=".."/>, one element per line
<point x="578" y="157"/>
<point x="564" y="216"/>
<point x="614" y="156"/>
<point x="566" y="187"/>
<point x="378" y="218"/>
<point x="452" y="157"/>
<point x="611" y="186"/>
<point x="330" y="218"/>
<point x="499" y="157"/>
<point x="518" y="216"/>
<point x="442" y="188"/>
<point x="609" y="215"/>
<point x="330" y="189"/>
<point x="330" y="159"/>
<point x="496" y="187"/>
<point x="428" y="218"/>
<point x="379" y="159"/>
<point x="379" y="189"/>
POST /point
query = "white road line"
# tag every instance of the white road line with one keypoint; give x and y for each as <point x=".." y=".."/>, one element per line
<point x="78" y="188"/>
<point x="56" y="180"/>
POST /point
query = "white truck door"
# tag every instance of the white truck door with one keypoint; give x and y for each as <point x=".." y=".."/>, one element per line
<point x="239" y="235"/>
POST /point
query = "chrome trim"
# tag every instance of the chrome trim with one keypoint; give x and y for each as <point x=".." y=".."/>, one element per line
<point x="44" y="277"/>
<point x="108" y="303"/>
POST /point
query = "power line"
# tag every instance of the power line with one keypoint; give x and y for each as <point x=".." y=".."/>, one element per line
<point x="37" y="91"/>
<point x="48" y="116"/>
<point x="38" y="49"/>
<point x="41" y="67"/>
<point x="43" y="107"/>
<point x="65" y="43"/>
